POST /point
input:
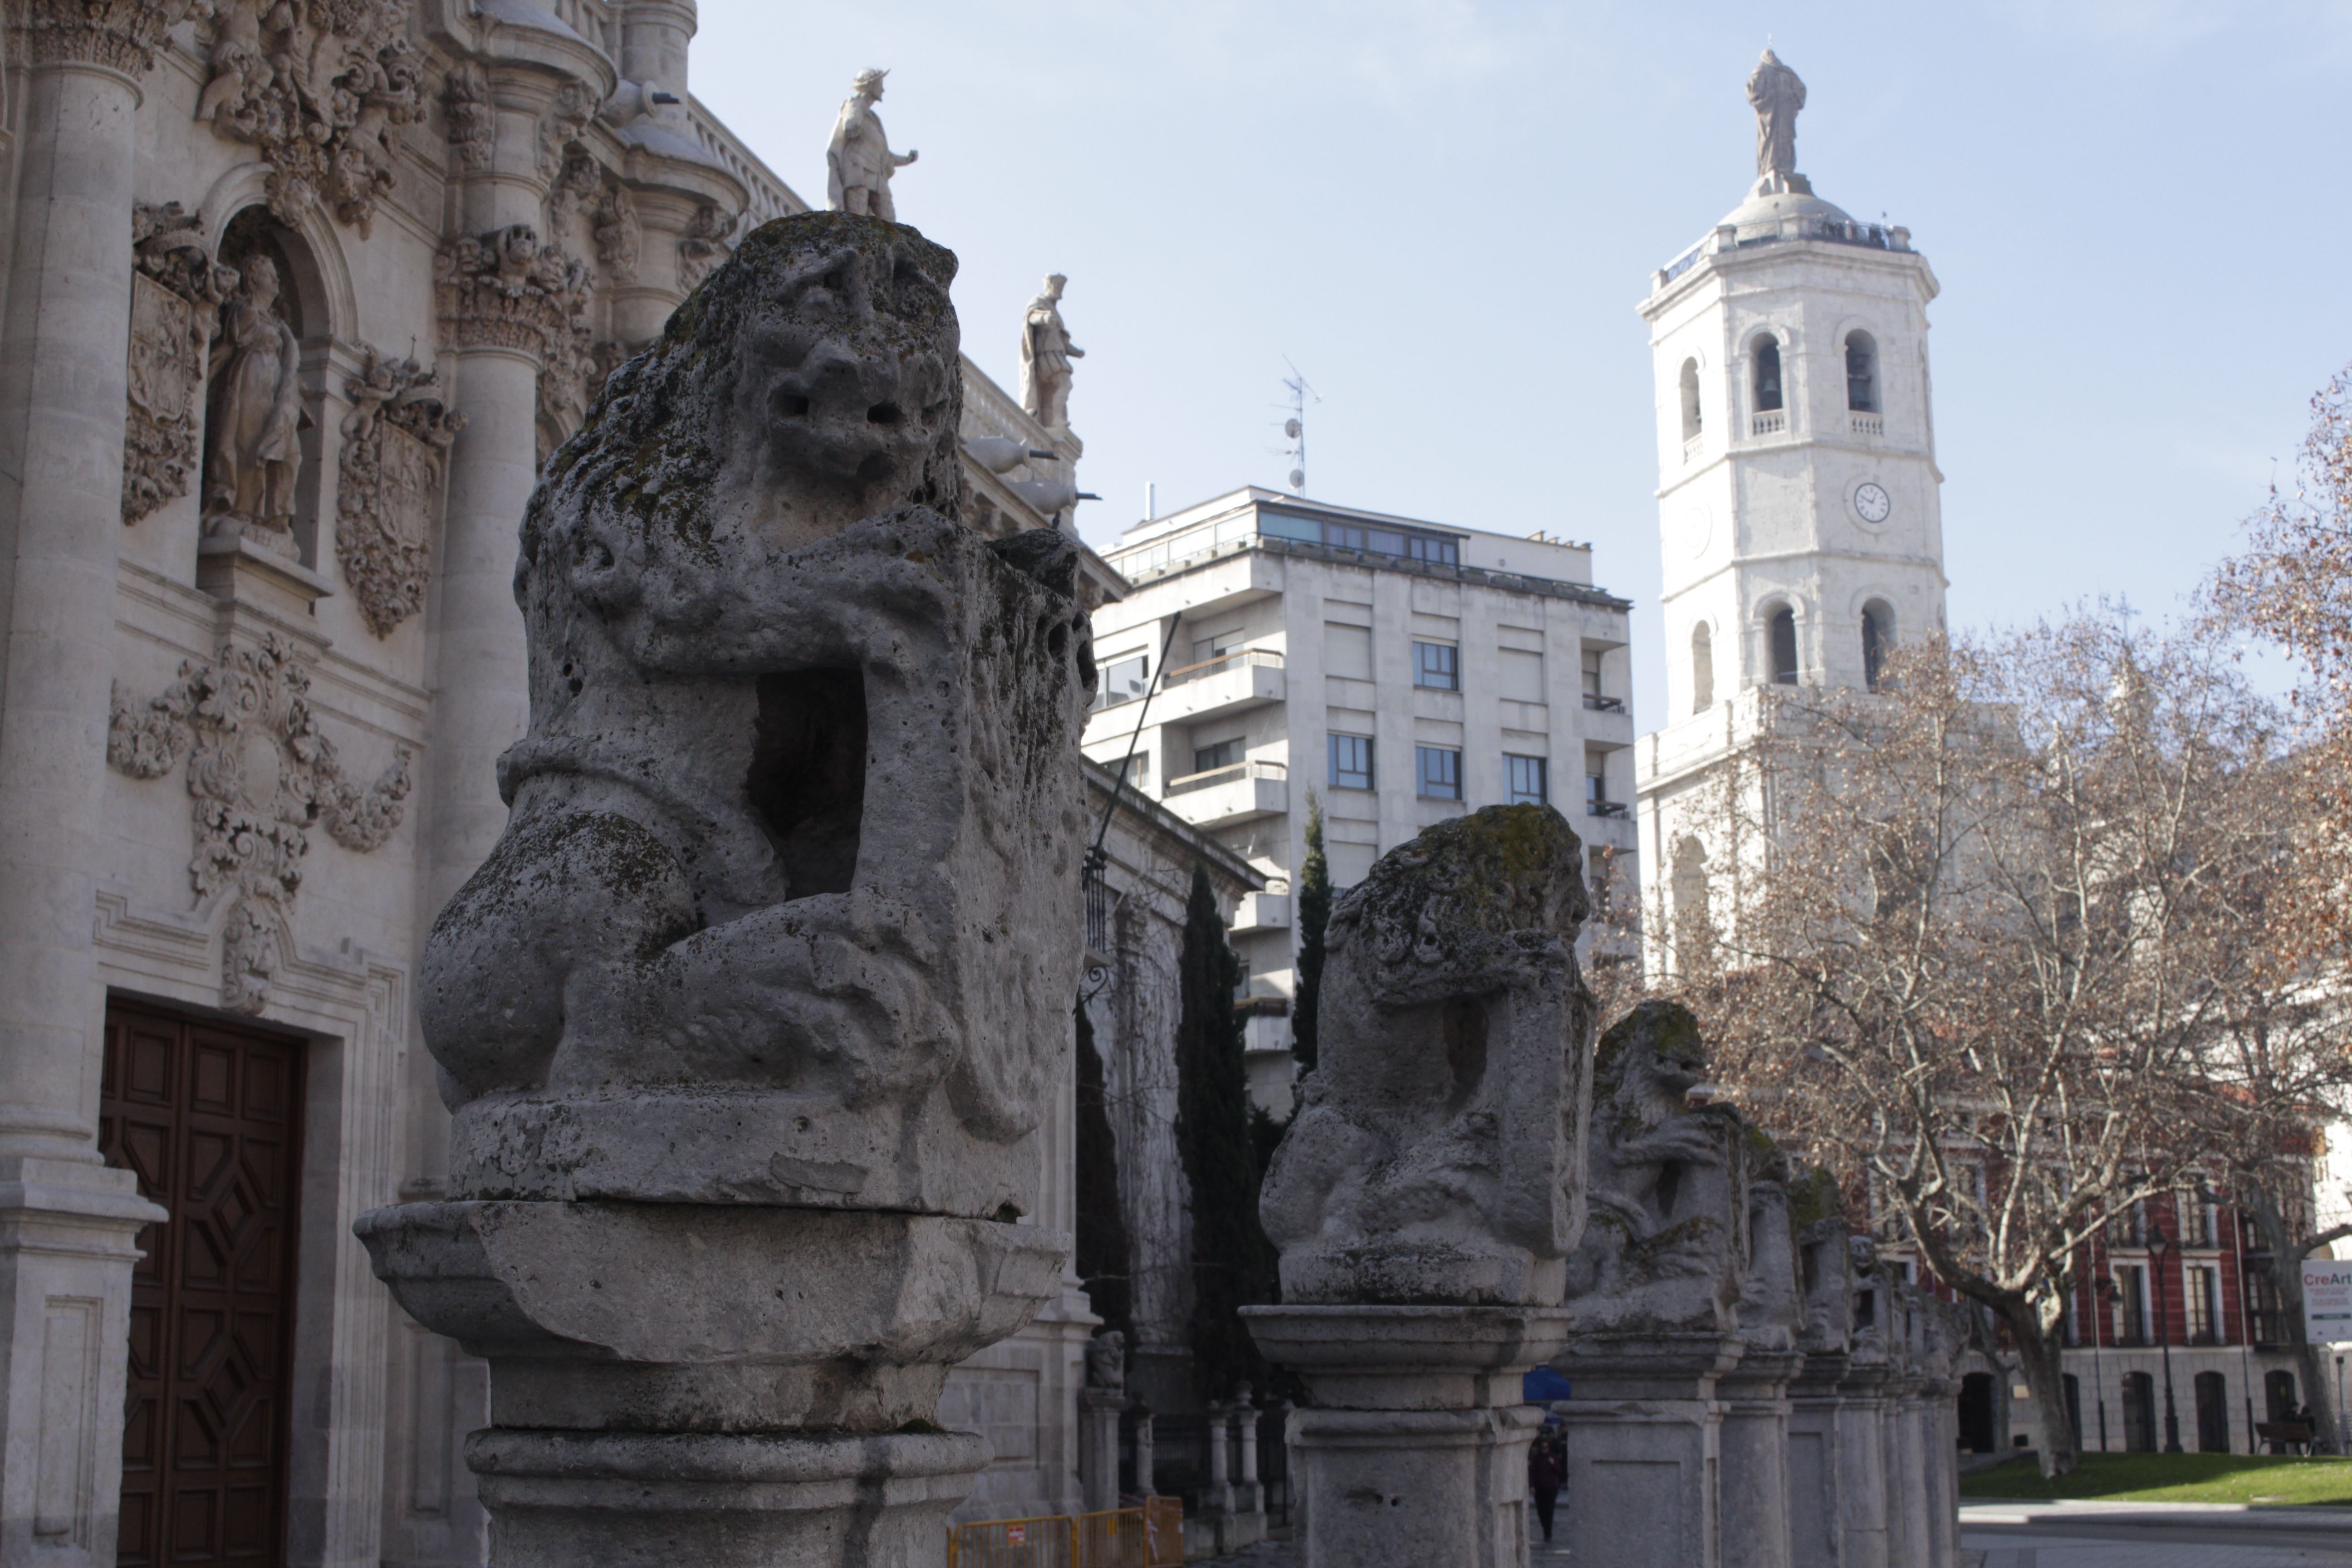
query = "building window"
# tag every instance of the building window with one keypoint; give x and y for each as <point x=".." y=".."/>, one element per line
<point x="1124" y="681"/>
<point x="1441" y="551"/>
<point x="2201" y="1294"/>
<point x="1432" y="547"/>
<point x="1526" y="781"/>
<point x="1596" y="788"/>
<point x="1224" y="754"/>
<point x="1691" y="417"/>
<point x="1768" y="374"/>
<point x="1591" y="674"/>
<point x="1437" y="665"/>
<point x="1134" y="769"/>
<point x="1438" y="769"/>
<point x="2131" y="1305"/>
<point x="1877" y="632"/>
<point x="1861" y="373"/>
<point x="1352" y="761"/>
<point x="1782" y="634"/>
<point x="1702" y="668"/>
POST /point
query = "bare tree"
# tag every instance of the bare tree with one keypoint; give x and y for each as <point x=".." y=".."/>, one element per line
<point x="1962" y="936"/>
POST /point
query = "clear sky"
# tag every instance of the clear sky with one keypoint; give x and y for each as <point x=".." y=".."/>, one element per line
<point x="1444" y="213"/>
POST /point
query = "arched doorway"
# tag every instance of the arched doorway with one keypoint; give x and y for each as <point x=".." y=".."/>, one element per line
<point x="2139" y="1412"/>
<point x="2212" y="1412"/>
<point x="1977" y="1436"/>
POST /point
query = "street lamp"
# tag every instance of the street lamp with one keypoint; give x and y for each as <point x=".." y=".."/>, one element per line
<point x="2157" y="1243"/>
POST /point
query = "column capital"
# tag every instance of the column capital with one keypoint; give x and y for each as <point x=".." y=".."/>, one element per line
<point x="115" y="34"/>
<point x="508" y="289"/>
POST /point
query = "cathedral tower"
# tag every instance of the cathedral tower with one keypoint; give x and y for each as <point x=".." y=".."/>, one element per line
<point x="1798" y="507"/>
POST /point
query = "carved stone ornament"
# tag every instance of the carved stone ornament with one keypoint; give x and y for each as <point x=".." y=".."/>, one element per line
<point x="506" y="290"/>
<point x="176" y="296"/>
<point x="396" y="439"/>
<point x="567" y="120"/>
<point x="473" y="122"/>
<point x="705" y="244"/>
<point x="122" y="35"/>
<point x="618" y="234"/>
<point x="322" y="88"/>
<point x="260" y="773"/>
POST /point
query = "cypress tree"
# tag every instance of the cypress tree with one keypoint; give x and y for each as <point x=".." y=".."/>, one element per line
<point x="1103" y="1260"/>
<point x="1233" y="1263"/>
<point x="1313" y="916"/>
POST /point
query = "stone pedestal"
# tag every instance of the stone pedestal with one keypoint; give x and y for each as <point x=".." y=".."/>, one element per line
<point x="720" y="1386"/>
<point x="1862" y="1453"/>
<point x="1815" y="1489"/>
<point x="1415" y="1450"/>
<point x="1753" y="1491"/>
<point x="1644" y="1433"/>
<point x="1144" y="1480"/>
<point x="1098" y="1411"/>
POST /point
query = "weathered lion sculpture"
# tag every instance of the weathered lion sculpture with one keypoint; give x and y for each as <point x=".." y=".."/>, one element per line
<point x="763" y="926"/>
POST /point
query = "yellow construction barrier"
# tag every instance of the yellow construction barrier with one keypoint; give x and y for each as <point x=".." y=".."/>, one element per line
<point x="1151" y="1536"/>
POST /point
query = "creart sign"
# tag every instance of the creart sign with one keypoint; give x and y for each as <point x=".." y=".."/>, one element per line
<point x="2327" y="1300"/>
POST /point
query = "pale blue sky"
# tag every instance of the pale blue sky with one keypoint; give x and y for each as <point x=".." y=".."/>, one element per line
<point x="1445" y="212"/>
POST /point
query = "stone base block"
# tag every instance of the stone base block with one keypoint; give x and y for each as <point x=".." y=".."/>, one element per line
<point x="1388" y="1487"/>
<point x="564" y="1499"/>
<point x="1644" y="1433"/>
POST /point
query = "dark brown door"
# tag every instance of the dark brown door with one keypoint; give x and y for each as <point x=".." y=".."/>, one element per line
<point x="210" y="1118"/>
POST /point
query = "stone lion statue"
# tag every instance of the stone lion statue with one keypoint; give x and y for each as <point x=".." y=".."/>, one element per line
<point x="1434" y="1156"/>
<point x="796" y="822"/>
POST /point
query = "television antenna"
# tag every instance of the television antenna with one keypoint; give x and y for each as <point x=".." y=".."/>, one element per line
<point x="1295" y="427"/>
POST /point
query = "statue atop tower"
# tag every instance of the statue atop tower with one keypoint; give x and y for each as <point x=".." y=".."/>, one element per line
<point x="1778" y="94"/>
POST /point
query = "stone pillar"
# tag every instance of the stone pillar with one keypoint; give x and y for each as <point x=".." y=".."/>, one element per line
<point x="731" y="1193"/>
<point x="1098" y="1411"/>
<point x="1415" y="1450"/>
<point x="1913" y="1521"/>
<point x="1815" y="1478"/>
<point x="1754" y="1491"/>
<point x="1144" y="1480"/>
<point x="1644" y="1437"/>
<point x="67" y="1222"/>
<point x="1216" y="1429"/>
<point x="653" y="38"/>
<point x="1249" y="1494"/>
<point x="1863" y="1451"/>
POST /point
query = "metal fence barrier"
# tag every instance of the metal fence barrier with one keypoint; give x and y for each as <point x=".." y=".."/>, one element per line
<point x="1150" y="1536"/>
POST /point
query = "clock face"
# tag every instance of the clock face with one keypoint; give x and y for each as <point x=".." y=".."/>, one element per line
<point x="1872" y="502"/>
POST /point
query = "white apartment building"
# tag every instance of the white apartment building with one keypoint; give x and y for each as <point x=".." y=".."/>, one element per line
<point x="1403" y="671"/>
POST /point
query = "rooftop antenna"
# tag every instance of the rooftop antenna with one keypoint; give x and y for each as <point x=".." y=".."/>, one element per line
<point x="1295" y="427"/>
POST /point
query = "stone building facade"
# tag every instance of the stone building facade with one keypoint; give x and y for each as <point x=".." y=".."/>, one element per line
<point x="298" y="297"/>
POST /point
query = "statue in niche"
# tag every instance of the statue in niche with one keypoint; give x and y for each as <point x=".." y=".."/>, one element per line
<point x="255" y="451"/>
<point x="1106" y="1361"/>
<point x="1778" y="95"/>
<point x="858" y="161"/>
<point x="797" y="778"/>
<point x="1046" y="352"/>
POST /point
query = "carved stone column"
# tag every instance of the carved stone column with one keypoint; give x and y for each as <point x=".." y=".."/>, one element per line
<point x="1862" y="1453"/>
<point x="1427" y="1192"/>
<point x="67" y="1222"/>
<point x="1098" y="1411"/>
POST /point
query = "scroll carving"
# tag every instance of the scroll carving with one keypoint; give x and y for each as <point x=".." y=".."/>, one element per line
<point x="708" y="241"/>
<point x="261" y="774"/>
<point x="323" y="86"/>
<point x="394" y="457"/>
<point x="175" y="295"/>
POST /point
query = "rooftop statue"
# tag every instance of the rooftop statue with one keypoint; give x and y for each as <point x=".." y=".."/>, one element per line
<point x="1046" y="352"/>
<point x="858" y="161"/>
<point x="1778" y="94"/>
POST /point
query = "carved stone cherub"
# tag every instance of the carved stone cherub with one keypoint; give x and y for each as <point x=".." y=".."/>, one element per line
<point x="797" y="797"/>
<point x="1437" y="1155"/>
<point x="1106" y="1361"/>
<point x="1666" y="1248"/>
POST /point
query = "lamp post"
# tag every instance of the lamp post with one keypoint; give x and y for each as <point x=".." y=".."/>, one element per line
<point x="2103" y="1290"/>
<point x="2158" y="1244"/>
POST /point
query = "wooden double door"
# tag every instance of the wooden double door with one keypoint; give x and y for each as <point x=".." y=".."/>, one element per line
<point x="210" y="1118"/>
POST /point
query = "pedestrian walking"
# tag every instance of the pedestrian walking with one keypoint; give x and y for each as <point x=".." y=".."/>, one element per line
<point x="1546" y="1470"/>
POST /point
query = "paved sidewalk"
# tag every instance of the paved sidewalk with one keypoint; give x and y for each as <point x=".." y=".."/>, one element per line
<point x="2156" y="1535"/>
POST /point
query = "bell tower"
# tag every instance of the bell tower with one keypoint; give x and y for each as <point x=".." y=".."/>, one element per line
<point x="1798" y="506"/>
<point x="1797" y="509"/>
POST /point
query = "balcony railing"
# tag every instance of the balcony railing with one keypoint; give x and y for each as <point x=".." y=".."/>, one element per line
<point x="1604" y="808"/>
<point x="1770" y="423"/>
<point x="1098" y="895"/>
<point x="1225" y="662"/>
<point x="1867" y="424"/>
<point x="1233" y="773"/>
<point x="1600" y="704"/>
<point x="1692" y="446"/>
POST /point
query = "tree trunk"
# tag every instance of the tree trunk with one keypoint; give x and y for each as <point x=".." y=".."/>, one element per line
<point x="2041" y="1359"/>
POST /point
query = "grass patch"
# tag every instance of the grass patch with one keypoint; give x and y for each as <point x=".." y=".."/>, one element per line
<point x="2261" y="1479"/>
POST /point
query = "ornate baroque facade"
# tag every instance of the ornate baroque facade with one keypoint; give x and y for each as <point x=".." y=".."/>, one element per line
<point x="298" y="294"/>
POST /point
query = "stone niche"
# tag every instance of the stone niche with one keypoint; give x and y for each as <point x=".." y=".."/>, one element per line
<point x="746" y="1021"/>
